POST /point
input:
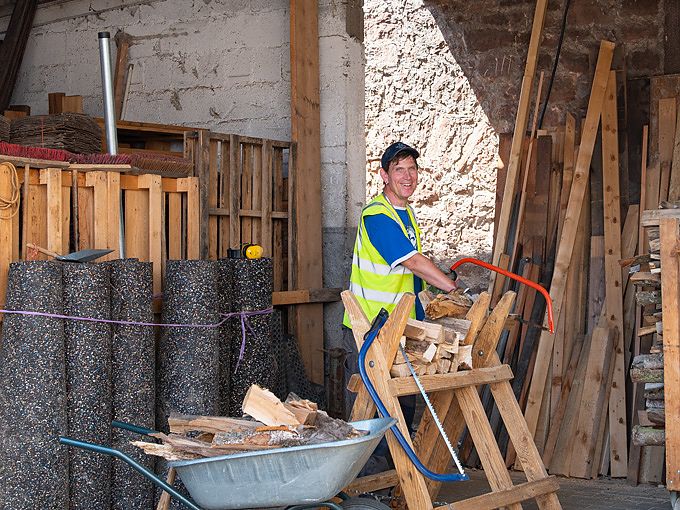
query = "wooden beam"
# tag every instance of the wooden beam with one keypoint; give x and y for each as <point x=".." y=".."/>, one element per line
<point x="569" y="230"/>
<point x="613" y="283"/>
<point x="302" y="297"/>
<point x="516" y="494"/>
<point x="521" y="122"/>
<point x="670" y="288"/>
<point x="667" y="120"/>
<point x="306" y="134"/>
<point x="406" y="385"/>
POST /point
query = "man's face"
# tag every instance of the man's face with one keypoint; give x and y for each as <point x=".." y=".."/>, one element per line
<point x="401" y="180"/>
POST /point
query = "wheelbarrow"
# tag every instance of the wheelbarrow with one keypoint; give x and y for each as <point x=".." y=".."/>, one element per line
<point x="295" y="478"/>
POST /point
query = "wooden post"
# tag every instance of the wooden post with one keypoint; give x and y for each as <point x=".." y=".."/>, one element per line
<point x="7" y="240"/>
<point x="569" y="230"/>
<point x="306" y="134"/>
<point x="670" y="289"/>
<point x="266" y="178"/>
<point x="153" y="183"/>
<point x="234" y="192"/>
<point x="618" y="442"/>
<point x="191" y="187"/>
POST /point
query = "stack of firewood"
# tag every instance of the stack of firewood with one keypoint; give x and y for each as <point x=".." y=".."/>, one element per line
<point x="433" y="348"/>
<point x="269" y="423"/>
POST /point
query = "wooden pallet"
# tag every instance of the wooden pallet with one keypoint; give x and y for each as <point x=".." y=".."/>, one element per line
<point x="456" y="399"/>
<point x="160" y="216"/>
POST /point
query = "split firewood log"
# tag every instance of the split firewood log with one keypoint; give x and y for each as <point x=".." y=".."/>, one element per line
<point x="263" y="405"/>
<point x="454" y="304"/>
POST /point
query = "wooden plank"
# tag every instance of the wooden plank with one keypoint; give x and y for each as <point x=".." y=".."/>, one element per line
<point x="52" y="177"/>
<point x="485" y="442"/>
<point x="224" y="199"/>
<point x="190" y="185"/>
<point x="667" y="121"/>
<point x="372" y="483"/>
<point x="674" y="180"/>
<point x="257" y="194"/>
<point x="670" y="288"/>
<point x="652" y="217"/>
<point x="571" y="221"/>
<point x="6" y="229"/>
<point x="438" y="382"/>
<point x="613" y="283"/>
<point x="592" y="403"/>
<point x="235" y="166"/>
<point x="527" y="453"/>
<point x="201" y="171"/>
<point x="65" y="219"/>
<point x="174" y="225"/>
<point x="306" y="220"/>
<point x="486" y="341"/>
<point x="521" y="122"/>
<point x="266" y="206"/>
<point x="642" y="235"/>
<point x="212" y="201"/>
<point x="247" y="192"/>
<point x="97" y="181"/>
<point x="113" y="215"/>
<point x="277" y="244"/>
<point x="293" y="297"/>
<point x="137" y="224"/>
<point x="153" y="183"/>
<point x="499" y="284"/>
<point x="568" y="169"/>
<point x="518" y="493"/>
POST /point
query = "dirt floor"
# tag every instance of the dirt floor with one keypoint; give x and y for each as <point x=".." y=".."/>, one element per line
<point x="574" y="494"/>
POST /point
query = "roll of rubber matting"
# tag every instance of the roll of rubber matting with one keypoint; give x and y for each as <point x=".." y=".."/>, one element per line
<point x="188" y="371"/>
<point x="88" y="381"/>
<point x="225" y="285"/>
<point x="33" y="465"/>
<point x="133" y="377"/>
<point x="252" y="286"/>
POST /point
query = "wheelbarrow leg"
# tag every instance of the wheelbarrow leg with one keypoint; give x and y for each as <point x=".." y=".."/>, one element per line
<point x="134" y="465"/>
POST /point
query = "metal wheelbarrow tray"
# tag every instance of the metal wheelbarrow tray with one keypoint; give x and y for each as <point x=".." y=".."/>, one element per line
<point x="280" y="477"/>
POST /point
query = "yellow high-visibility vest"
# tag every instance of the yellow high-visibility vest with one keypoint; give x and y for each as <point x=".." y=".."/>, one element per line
<point x="373" y="281"/>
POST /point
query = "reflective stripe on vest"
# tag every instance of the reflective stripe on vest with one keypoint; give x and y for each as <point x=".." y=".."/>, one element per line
<point x="375" y="284"/>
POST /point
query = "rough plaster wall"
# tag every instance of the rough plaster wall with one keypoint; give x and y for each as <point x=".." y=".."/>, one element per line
<point x="445" y="76"/>
<point x="418" y="93"/>
<point x="222" y="65"/>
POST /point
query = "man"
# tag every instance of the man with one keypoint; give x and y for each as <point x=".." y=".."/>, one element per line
<point x="388" y="259"/>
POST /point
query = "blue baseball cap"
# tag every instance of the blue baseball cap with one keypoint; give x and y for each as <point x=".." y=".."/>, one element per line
<point x="394" y="150"/>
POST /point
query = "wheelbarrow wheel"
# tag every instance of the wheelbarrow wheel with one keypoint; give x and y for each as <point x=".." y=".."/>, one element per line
<point x="363" y="504"/>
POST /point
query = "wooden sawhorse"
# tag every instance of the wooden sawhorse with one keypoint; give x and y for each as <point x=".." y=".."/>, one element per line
<point x="456" y="400"/>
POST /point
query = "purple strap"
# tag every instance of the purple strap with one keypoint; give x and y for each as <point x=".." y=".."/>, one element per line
<point x="245" y="324"/>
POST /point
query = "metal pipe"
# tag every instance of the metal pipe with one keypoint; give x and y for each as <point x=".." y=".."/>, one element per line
<point x="110" y="121"/>
<point x="107" y="88"/>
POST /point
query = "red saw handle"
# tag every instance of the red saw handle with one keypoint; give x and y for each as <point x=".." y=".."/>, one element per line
<point x="514" y="276"/>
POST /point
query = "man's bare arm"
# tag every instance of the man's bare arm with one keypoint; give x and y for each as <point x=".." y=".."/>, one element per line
<point x="423" y="267"/>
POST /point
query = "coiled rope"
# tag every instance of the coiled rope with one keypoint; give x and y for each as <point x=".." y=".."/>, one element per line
<point x="9" y="206"/>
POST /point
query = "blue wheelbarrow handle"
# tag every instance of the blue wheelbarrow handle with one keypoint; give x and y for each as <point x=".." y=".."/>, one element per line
<point x="370" y="336"/>
<point x="93" y="447"/>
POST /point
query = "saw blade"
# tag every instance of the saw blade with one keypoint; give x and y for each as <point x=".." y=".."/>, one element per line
<point x="432" y="412"/>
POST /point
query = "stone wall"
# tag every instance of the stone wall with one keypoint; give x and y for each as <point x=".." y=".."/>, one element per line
<point x="445" y="76"/>
<point x="222" y="65"/>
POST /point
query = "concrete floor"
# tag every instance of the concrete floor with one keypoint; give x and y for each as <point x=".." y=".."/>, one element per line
<point x="574" y="494"/>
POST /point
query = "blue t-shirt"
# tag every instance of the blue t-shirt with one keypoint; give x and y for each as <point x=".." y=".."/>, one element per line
<point x="388" y="238"/>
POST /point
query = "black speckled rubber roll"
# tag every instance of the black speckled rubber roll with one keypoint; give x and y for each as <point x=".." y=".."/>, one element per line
<point x="188" y="372"/>
<point x="225" y="291"/>
<point x="253" y="287"/>
<point x="88" y="381"/>
<point x="133" y="377"/>
<point x="33" y="466"/>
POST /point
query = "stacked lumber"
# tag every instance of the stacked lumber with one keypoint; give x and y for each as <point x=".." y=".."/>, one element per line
<point x="74" y="132"/>
<point x="268" y="424"/>
<point x="569" y="220"/>
<point x="433" y="348"/>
